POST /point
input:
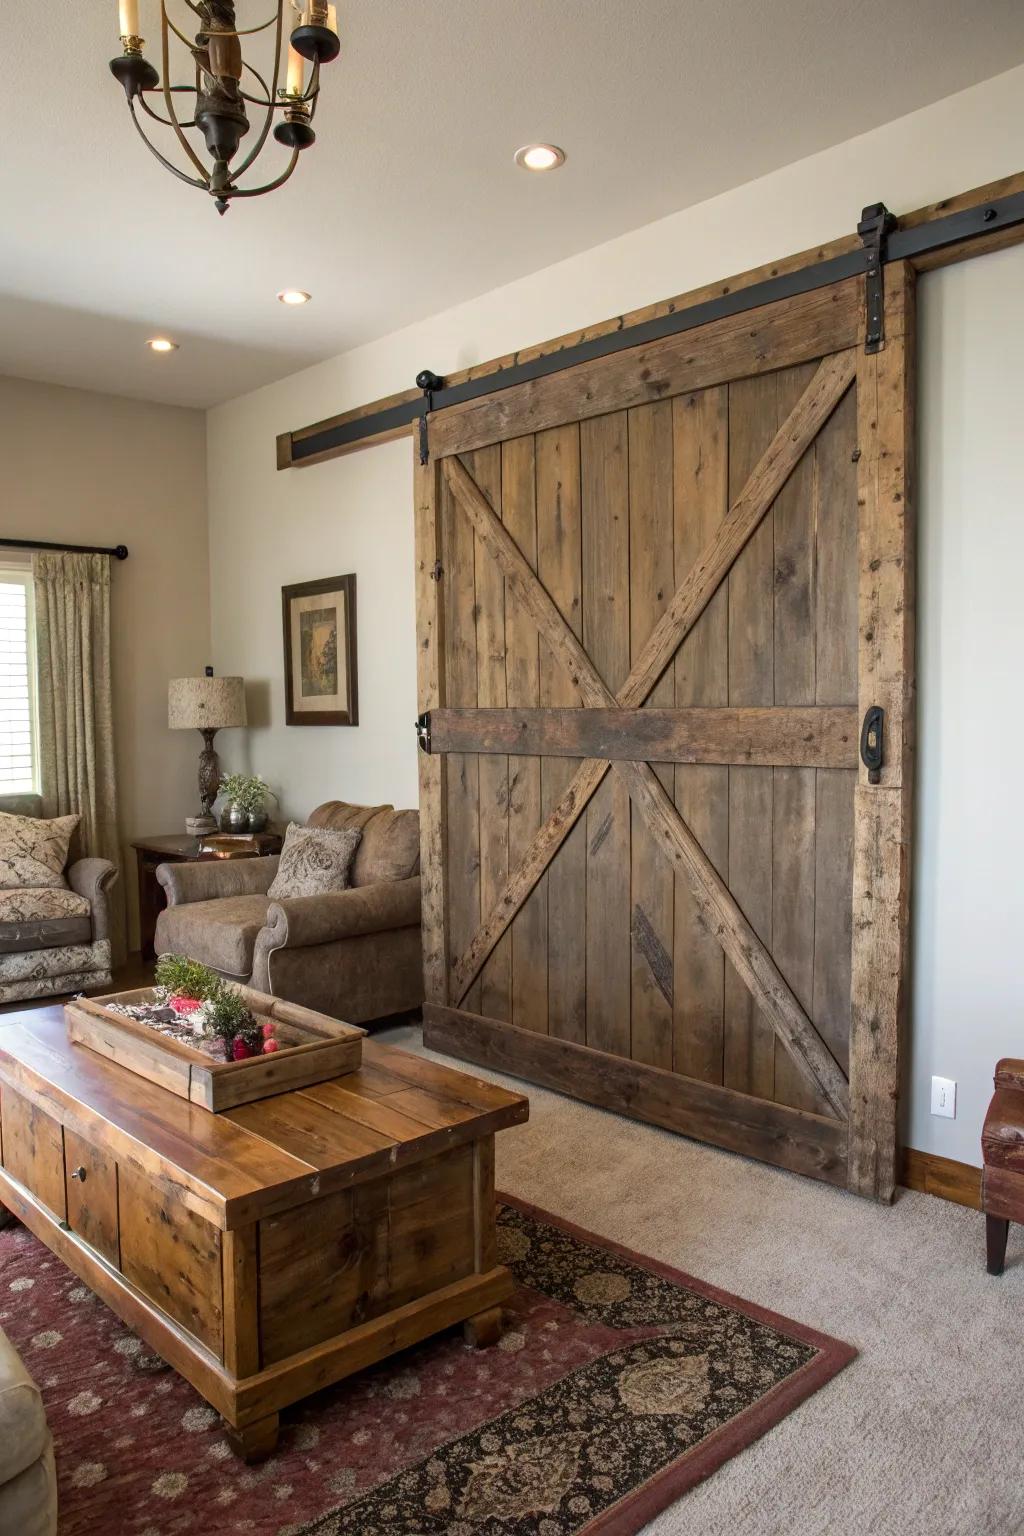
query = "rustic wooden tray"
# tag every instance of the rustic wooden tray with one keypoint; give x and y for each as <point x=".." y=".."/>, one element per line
<point x="313" y="1048"/>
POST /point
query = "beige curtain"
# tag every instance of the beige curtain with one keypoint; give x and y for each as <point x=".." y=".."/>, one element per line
<point x="76" y="738"/>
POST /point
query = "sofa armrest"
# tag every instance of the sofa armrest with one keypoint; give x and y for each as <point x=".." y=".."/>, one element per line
<point x="211" y="878"/>
<point x="92" y="878"/>
<point x="295" y="922"/>
<point x="1010" y="1074"/>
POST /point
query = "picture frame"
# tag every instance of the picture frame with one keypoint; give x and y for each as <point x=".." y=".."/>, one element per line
<point x="320" y="678"/>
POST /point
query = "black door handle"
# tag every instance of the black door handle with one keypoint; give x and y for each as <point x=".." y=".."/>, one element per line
<point x="871" y="736"/>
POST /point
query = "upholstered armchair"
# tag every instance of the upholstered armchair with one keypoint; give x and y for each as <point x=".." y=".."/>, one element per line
<point x="55" y="939"/>
<point x="353" y="954"/>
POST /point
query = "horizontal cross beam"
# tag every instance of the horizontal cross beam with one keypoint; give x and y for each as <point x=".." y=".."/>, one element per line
<point x="808" y="737"/>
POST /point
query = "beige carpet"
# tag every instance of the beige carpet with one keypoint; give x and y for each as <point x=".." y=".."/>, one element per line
<point x="924" y="1434"/>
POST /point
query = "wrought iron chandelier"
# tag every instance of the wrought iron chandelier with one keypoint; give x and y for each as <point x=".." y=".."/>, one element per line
<point x="224" y="83"/>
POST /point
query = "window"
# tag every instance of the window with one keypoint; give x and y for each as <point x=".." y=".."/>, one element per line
<point x="19" y="755"/>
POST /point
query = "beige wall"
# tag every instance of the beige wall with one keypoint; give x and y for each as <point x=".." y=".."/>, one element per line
<point x="92" y="468"/>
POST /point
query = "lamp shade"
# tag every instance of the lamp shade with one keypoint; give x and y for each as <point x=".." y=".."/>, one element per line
<point x="205" y="703"/>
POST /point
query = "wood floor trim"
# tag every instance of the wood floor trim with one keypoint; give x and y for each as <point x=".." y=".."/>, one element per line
<point x="941" y="1176"/>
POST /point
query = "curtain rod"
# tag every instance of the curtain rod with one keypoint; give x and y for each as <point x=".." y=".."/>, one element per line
<point x="119" y="551"/>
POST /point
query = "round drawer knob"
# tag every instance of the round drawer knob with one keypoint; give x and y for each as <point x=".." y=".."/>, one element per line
<point x="79" y="1173"/>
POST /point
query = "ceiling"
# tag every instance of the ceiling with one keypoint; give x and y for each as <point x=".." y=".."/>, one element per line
<point x="410" y="201"/>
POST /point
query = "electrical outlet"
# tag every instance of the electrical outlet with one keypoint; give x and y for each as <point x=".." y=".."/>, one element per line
<point x="944" y="1097"/>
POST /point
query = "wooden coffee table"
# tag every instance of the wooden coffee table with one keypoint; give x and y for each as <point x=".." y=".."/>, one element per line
<point x="274" y="1249"/>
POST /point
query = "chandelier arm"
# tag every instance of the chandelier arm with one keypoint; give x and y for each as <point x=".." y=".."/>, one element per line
<point x="167" y="164"/>
<point x="189" y="44"/>
<point x="271" y="186"/>
<point x="156" y="115"/>
<point x="169" y="101"/>
<point x="271" y="96"/>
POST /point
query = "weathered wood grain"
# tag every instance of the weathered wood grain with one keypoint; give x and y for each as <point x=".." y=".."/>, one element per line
<point x="519" y="528"/>
<point x="430" y="692"/>
<point x="749" y="1040"/>
<point x="91" y="1185"/>
<point x="748" y="955"/>
<point x="775" y="336"/>
<point x="651" y="585"/>
<point x="830" y="383"/>
<point x="560" y="568"/>
<point x="34" y="1149"/>
<point x="789" y="738"/>
<point x="492" y="663"/>
<point x="789" y="1138"/>
<point x="701" y="494"/>
<point x="604" y="465"/>
<point x="883" y="813"/>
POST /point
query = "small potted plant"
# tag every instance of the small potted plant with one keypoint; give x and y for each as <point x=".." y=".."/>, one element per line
<point x="185" y="983"/>
<point x="245" y="797"/>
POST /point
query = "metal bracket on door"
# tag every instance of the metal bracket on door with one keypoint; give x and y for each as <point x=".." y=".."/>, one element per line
<point x="428" y="382"/>
<point x="871" y="742"/>
<point x="423" y="731"/>
<point x="875" y="223"/>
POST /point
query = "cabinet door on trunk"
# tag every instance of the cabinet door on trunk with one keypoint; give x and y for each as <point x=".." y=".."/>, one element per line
<point x="92" y="1195"/>
<point x="33" y="1149"/>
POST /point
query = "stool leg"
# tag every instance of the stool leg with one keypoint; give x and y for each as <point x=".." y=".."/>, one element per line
<point x="996" y="1230"/>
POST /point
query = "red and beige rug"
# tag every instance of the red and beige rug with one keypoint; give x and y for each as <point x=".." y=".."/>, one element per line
<point x="618" y="1385"/>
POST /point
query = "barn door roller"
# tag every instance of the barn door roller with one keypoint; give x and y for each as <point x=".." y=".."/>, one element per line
<point x="875" y="223"/>
<point x="871" y="742"/>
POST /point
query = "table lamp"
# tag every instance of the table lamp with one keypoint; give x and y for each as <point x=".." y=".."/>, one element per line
<point x="207" y="705"/>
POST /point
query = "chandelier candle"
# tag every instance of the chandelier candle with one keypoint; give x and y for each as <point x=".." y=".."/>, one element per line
<point x="207" y="81"/>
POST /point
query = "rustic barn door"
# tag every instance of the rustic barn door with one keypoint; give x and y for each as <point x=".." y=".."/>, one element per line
<point x="658" y="595"/>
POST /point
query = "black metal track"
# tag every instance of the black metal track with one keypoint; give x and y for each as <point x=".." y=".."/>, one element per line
<point x="901" y="245"/>
<point x="118" y="552"/>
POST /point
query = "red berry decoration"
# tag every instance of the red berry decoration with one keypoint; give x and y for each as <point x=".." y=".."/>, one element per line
<point x="239" y="1050"/>
<point x="267" y="1028"/>
<point x="184" y="1005"/>
<point x="269" y="1046"/>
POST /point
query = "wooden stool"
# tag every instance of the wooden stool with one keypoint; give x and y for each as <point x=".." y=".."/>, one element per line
<point x="1002" y="1150"/>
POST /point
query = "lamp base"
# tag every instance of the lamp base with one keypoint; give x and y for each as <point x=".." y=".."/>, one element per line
<point x="199" y="826"/>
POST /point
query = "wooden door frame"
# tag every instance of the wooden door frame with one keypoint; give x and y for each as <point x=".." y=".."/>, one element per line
<point x="860" y="1154"/>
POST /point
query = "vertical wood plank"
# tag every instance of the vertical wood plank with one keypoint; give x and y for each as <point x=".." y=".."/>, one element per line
<point x="496" y="975"/>
<point x="240" y="1278"/>
<point x="793" y="815"/>
<point x="835" y="683"/>
<point x="522" y="650"/>
<point x="701" y="490"/>
<point x="652" y="585"/>
<point x="559" y="565"/>
<point x="833" y="909"/>
<point x="485" y="1237"/>
<point x="463" y="777"/>
<point x="749" y="1039"/>
<point x="882" y="813"/>
<point x="604" y="477"/>
<point x="430" y="694"/>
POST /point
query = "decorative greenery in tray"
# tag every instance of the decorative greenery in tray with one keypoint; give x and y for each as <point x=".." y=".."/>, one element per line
<point x="213" y="1009"/>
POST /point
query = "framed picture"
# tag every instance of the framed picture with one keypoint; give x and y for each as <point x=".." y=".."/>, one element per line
<point x="320" y="652"/>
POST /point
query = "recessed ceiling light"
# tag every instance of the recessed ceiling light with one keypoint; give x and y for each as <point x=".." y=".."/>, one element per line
<point x="161" y="344"/>
<point x="294" y="296"/>
<point x="540" y="157"/>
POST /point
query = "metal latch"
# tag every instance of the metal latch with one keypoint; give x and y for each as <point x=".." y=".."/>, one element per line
<point x="871" y="742"/>
<point x="423" y="731"/>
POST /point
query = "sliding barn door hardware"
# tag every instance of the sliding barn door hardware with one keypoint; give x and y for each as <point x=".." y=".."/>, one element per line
<point x="430" y="383"/>
<point x="871" y="741"/>
<point x="423" y="731"/>
<point x="880" y="247"/>
<point x="876" y="224"/>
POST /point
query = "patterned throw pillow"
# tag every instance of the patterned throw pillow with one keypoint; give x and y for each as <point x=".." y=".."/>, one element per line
<point x="33" y="852"/>
<point x="314" y="860"/>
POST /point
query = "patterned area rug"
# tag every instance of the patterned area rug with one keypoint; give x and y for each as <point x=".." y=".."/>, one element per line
<point x="618" y="1385"/>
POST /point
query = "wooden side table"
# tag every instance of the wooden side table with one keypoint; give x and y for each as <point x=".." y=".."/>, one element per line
<point x="177" y="849"/>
